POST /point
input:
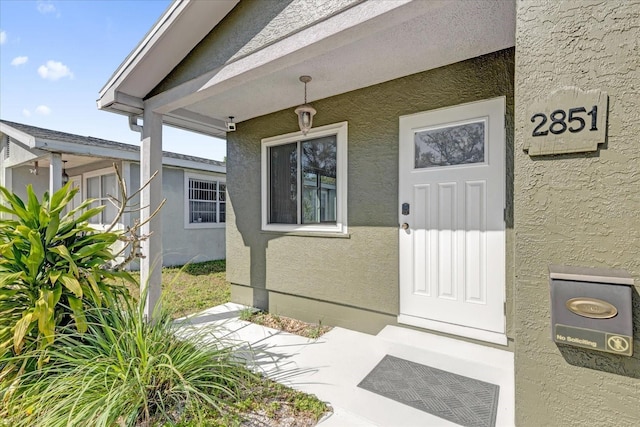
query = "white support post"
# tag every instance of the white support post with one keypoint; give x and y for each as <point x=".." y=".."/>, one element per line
<point x="55" y="173"/>
<point x="8" y="184"/>
<point x="150" y="198"/>
<point x="7" y="179"/>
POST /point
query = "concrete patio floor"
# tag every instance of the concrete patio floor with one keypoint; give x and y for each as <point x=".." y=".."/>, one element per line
<point x="332" y="366"/>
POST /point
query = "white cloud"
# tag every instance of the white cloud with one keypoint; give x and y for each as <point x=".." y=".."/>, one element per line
<point x="19" y="60"/>
<point x="54" y="70"/>
<point x="43" y="109"/>
<point x="46" y="7"/>
<point x="26" y="112"/>
<point x="3" y="37"/>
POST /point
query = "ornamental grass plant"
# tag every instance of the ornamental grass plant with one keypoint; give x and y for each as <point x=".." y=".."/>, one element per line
<point x="127" y="371"/>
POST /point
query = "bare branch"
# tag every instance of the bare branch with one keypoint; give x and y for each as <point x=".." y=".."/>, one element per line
<point x="154" y="212"/>
<point x="139" y="190"/>
<point x="131" y="236"/>
<point x="123" y="206"/>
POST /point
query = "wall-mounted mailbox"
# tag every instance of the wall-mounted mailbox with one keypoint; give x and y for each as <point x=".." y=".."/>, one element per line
<point x="591" y="308"/>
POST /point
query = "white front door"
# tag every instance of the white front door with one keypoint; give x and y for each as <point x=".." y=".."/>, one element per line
<point x="452" y="239"/>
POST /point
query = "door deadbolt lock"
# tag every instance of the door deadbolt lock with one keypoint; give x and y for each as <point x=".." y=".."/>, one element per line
<point x="405" y="209"/>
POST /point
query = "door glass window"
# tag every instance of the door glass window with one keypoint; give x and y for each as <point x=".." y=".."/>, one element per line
<point x="450" y="145"/>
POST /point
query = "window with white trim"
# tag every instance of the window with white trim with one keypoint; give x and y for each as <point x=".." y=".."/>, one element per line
<point x="205" y="201"/>
<point x="100" y="186"/>
<point x="304" y="181"/>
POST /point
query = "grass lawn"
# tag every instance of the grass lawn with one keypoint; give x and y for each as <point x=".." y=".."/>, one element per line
<point x="192" y="288"/>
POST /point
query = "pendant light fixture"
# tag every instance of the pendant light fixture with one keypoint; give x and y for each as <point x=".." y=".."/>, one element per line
<point x="65" y="176"/>
<point x="305" y="111"/>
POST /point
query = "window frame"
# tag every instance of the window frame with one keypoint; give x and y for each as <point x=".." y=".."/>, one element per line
<point x="203" y="177"/>
<point x="340" y="130"/>
<point x="85" y="189"/>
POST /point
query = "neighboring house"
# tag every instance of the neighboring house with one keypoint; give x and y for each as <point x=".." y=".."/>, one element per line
<point x="413" y="200"/>
<point x="193" y="217"/>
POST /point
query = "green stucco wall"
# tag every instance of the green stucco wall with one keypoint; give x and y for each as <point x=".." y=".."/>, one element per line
<point x="250" y="26"/>
<point x="579" y="210"/>
<point x="360" y="271"/>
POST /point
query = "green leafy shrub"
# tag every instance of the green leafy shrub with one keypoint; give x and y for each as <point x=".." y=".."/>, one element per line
<point x="127" y="371"/>
<point x="51" y="271"/>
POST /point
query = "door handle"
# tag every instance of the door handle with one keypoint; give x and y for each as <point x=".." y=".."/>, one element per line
<point x="405" y="226"/>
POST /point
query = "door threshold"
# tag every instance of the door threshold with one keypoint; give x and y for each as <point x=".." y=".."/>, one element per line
<point x="448" y="328"/>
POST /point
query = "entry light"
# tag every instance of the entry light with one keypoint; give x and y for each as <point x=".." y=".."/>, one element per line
<point x="305" y="111"/>
<point x="65" y="176"/>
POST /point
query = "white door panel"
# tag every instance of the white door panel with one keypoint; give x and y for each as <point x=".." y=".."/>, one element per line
<point x="452" y="254"/>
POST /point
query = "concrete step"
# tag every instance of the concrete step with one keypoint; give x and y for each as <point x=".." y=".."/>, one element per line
<point x="460" y="349"/>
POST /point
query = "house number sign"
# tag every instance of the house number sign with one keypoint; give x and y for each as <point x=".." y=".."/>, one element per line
<point x="568" y="121"/>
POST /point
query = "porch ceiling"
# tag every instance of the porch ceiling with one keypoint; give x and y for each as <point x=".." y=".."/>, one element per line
<point x="71" y="161"/>
<point x="370" y="43"/>
<point x="418" y="36"/>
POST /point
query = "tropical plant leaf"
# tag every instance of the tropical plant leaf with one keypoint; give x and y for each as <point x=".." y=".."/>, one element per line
<point x="33" y="206"/>
<point x="7" y="279"/>
<point x="68" y="231"/>
<point x="122" y="274"/>
<point x="61" y="197"/>
<point x="64" y="253"/>
<point x="44" y="313"/>
<point x="15" y="202"/>
<point x="5" y="209"/>
<point x="22" y="327"/>
<point x="36" y="254"/>
<point x="92" y="249"/>
<point x="90" y="213"/>
<point x="78" y="313"/>
<point x="94" y="286"/>
<point x="72" y="284"/>
<point x="52" y="228"/>
<point x="54" y="275"/>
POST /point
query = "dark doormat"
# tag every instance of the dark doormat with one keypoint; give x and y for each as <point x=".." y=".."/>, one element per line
<point x="462" y="400"/>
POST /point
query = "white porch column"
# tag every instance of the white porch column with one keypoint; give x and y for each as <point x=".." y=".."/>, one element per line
<point x="7" y="183"/>
<point x="150" y="198"/>
<point x="7" y="178"/>
<point x="55" y="173"/>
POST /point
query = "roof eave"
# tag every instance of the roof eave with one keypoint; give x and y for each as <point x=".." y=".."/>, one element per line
<point x="18" y="135"/>
<point x="108" y="92"/>
<point x="113" y="98"/>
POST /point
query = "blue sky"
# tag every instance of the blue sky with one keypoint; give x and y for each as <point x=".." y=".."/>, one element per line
<point x="55" y="56"/>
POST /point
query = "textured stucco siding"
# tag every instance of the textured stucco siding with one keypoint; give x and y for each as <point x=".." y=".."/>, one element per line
<point x="250" y="26"/>
<point x="182" y="245"/>
<point x="20" y="153"/>
<point x="360" y="271"/>
<point x="22" y="177"/>
<point x="580" y="210"/>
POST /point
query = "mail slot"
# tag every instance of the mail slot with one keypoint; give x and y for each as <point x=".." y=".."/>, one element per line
<point x="591" y="308"/>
